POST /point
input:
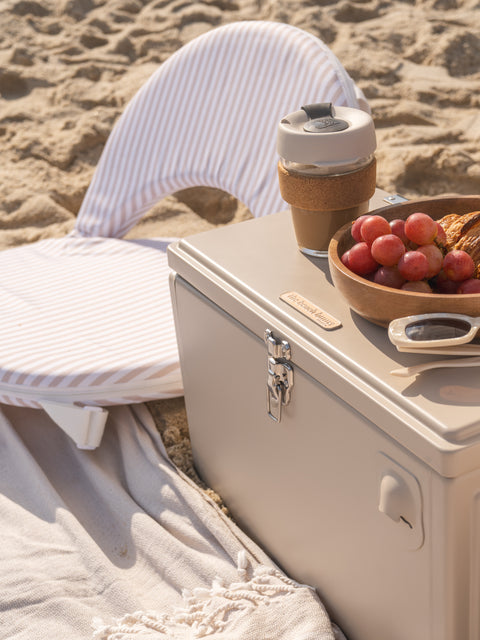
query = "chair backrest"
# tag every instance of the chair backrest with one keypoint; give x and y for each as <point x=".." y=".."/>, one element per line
<point x="208" y="116"/>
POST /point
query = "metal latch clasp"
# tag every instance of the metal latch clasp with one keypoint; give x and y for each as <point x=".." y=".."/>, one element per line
<point x="279" y="375"/>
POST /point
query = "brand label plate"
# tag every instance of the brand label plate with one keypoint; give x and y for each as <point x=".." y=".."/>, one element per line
<point x="310" y="310"/>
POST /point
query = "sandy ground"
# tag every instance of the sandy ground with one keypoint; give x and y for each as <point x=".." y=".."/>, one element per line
<point x="67" y="69"/>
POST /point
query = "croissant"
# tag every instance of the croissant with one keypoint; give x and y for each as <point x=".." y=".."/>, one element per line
<point x="463" y="232"/>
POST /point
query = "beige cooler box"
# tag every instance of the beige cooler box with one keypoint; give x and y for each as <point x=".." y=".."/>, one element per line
<point x="363" y="484"/>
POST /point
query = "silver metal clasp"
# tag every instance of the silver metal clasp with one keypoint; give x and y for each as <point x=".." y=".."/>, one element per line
<point x="279" y="375"/>
<point x="395" y="199"/>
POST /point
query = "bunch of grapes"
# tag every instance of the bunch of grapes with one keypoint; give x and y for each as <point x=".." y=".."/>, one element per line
<point x="410" y="255"/>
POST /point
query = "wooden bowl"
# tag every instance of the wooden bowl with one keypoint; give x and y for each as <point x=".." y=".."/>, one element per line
<point x="381" y="304"/>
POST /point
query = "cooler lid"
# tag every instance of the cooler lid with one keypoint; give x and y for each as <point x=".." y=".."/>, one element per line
<point x="254" y="271"/>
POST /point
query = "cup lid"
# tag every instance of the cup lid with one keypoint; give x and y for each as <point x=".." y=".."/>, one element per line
<point x="322" y="134"/>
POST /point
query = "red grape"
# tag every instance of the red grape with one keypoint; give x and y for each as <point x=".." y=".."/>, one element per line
<point x="387" y="249"/>
<point x="420" y="228"/>
<point x="356" y="227"/>
<point x="398" y="228"/>
<point x="346" y="259"/>
<point x="360" y="259"/>
<point x="413" y="265"/>
<point x="444" y="285"/>
<point x="419" y="286"/>
<point x="373" y="227"/>
<point x="458" y="265"/>
<point x="434" y="257"/>
<point x="472" y="285"/>
<point x="441" y="237"/>
<point x="389" y="277"/>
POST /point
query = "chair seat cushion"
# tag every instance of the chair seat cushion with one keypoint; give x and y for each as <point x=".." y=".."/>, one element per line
<point x="86" y="320"/>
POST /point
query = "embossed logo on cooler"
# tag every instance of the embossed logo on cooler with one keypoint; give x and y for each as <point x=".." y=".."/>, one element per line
<point x="310" y="310"/>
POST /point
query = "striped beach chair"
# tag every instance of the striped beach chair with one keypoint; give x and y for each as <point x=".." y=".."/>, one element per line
<point x="86" y="320"/>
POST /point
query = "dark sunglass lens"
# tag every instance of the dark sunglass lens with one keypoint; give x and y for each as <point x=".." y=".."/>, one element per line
<point x="437" y="329"/>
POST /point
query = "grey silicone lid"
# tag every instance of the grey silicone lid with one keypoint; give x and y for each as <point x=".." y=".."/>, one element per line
<point x="326" y="144"/>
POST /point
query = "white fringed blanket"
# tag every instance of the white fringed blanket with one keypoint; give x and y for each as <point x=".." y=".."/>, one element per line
<point x="116" y="544"/>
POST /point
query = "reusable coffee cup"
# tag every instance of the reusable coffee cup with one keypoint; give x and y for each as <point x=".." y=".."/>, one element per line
<point x="327" y="170"/>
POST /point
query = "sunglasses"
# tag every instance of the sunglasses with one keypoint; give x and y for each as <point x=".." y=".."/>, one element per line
<point x="443" y="333"/>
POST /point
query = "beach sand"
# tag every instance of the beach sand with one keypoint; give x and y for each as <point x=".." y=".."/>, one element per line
<point x="68" y="68"/>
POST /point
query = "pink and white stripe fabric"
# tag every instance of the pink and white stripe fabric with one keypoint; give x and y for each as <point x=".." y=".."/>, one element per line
<point x="80" y="320"/>
<point x="87" y="318"/>
<point x="208" y="116"/>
